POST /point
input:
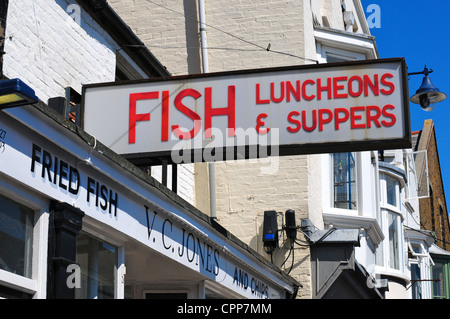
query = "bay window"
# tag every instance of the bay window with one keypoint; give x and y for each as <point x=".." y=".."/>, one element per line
<point x="394" y="240"/>
<point x="389" y="255"/>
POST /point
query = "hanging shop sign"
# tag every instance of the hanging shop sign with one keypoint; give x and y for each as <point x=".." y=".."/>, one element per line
<point x="348" y="106"/>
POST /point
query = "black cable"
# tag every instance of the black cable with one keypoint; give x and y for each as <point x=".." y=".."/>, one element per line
<point x="292" y="263"/>
<point x="232" y="35"/>
<point x="423" y="231"/>
<point x="290" y="250"/>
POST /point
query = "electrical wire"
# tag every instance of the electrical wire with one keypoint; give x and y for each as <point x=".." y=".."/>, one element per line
<point x="424" y="231"/>
<point x="292" y="262"/>
<point x="260" y="47"/>
<point x="290" y="250"/>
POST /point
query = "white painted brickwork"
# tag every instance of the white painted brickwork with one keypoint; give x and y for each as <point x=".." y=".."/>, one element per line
<point x="50" y="49"/>
<point x="259" y="23"/>
<point x="54" y="44"/>
<point x="170" y="36"/>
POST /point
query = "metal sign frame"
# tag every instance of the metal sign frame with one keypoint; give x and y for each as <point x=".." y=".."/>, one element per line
<point x="196" y="154"/>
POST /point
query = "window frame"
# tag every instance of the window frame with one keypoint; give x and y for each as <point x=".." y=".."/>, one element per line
<point x="356" y="182"/>
<point x="387" y="210"/>
<point x="36" y="286"/>
<point x="354" y="46"/>
<point x="384" y="177"/>
<point x="99" y="231"/>
<point x="88" y="275"/>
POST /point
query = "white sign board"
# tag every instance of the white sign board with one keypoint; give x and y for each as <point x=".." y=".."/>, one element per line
<point x="325" y="108"/>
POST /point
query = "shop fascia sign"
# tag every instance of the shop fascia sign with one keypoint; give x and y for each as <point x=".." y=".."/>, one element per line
<point x="322" y="108"/>
<point x="163" y="227"/>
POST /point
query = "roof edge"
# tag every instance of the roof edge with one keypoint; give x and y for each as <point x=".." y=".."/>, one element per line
<point x="110" y="21"/>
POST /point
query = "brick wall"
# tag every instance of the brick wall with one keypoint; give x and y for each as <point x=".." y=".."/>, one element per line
<point x="168" y="28"/>
<point x="279" y="23"/>
<point x="54" y="44"/>
<point x="433" y="210"/>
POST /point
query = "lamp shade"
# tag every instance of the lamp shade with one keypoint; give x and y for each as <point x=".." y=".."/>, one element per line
<point x="14" y="93"/>
<point x="428" y="95"/>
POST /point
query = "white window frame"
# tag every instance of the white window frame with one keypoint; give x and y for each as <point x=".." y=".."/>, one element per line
<point x="324" y="51"/>
<point x="99" y="230"/>
<point x="350" y="46"/>
<point x="424" y="261"/>
<point x="383" y="185"/>
<point x="386" y="210"/>
<point x="357" y="184"/>
<point x="36" y="286"/>
<point x="412" y="170"/>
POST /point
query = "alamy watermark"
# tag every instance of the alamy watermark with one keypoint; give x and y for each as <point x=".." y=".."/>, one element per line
<point x="374" y="17"/>
<point x="74" y="278"/>
<point x="246" y="144"/>
<point x="74" y="11"/>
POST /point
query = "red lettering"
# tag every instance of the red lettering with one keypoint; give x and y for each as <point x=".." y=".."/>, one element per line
<point x="389" y="115"/>
<point x="373" y="117"/>
<point x="321" y="88"/>
<point x="373" y="85"/>
<point x="354" y="117"/>
<point x="314" y="121"/>
<point x="165" y="116"/>
<point x="258" y="96"/>
<point x="134" y="117"/>
<point x="272" y="92"/>
<point x="337" y="87"/>
<point x="296" y="93"/>
<point x="260" y="123"/>
<point x="338" y="119"/>
<point x="351" y="90"/>
<point x="229" y="111"/>
<point x="305" y="96"/>
<point x="189" y="113"/>
<point x="388" y="84"/>
<point x="323" y="120"/>
<point x="297" y="123"/>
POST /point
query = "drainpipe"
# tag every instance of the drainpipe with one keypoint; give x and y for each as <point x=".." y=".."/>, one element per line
<point x="204" y="45"/>
<point x="205" y="66"/>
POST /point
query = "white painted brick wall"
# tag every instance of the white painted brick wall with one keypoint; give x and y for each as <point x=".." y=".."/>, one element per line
<point x="49" y="50"/>
<point x="172" y="37"/>
<point x="260" y="23"/>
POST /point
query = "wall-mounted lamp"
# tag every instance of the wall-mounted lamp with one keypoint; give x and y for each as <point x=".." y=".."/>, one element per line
<point x="427" y="96"/>
<point x="14" y="93"/>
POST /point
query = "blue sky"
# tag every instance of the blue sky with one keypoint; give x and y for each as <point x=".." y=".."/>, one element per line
<point x="419" y="31"/>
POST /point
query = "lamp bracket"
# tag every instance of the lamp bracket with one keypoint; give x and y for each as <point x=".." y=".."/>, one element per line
<point x="425" y="71"/>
